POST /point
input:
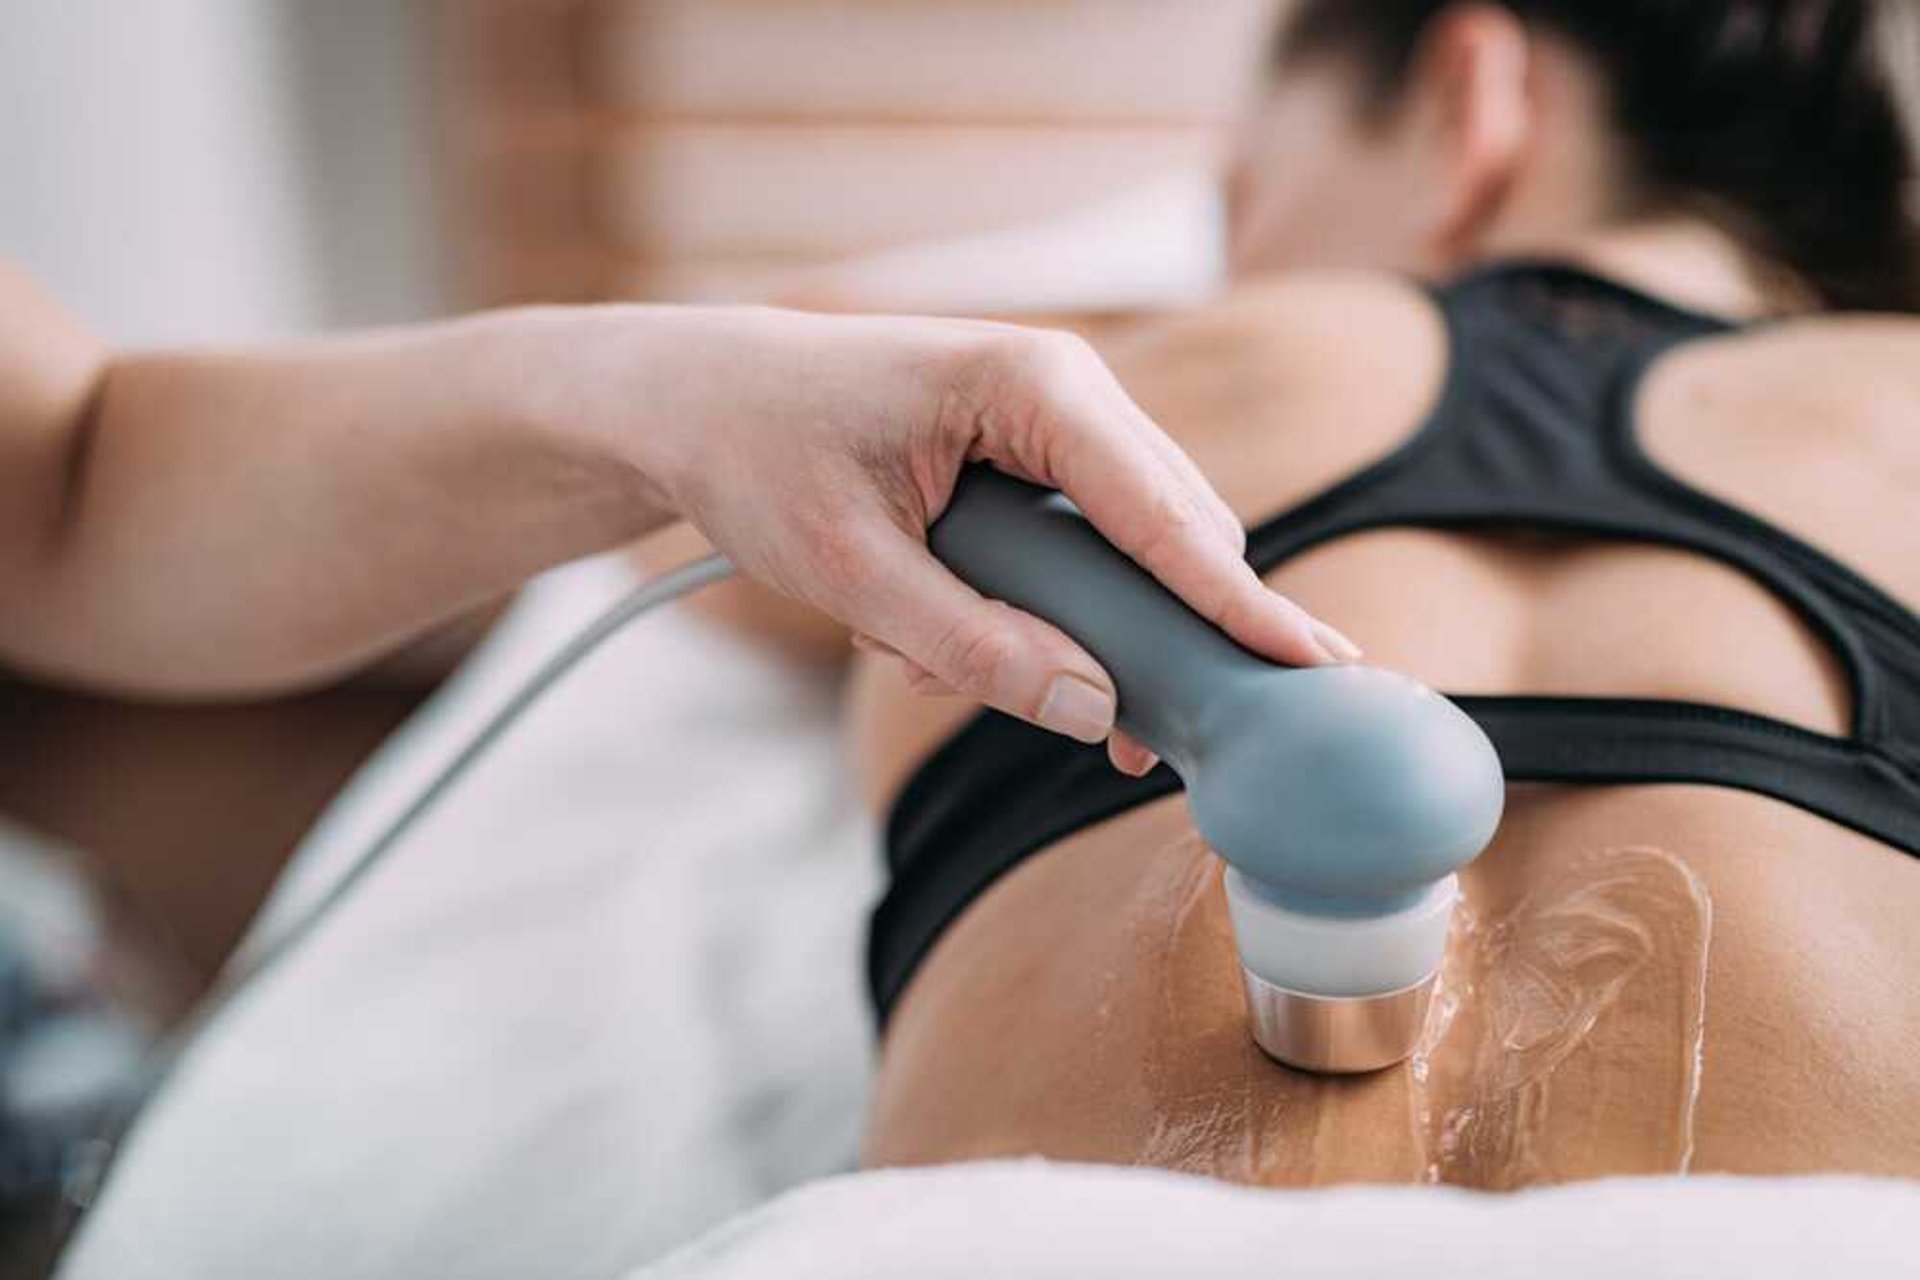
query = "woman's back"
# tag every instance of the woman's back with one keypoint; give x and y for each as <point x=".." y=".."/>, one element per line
<point x="1284" y="389"/>
<point x="1656" y="976"/>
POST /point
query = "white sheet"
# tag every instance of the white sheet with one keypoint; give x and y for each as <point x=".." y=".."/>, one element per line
<point x="1034" y="1220"/>
<point x="607" y="995"/>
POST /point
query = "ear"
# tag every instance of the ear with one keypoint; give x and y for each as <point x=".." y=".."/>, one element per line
<point x="1472" y="77"/>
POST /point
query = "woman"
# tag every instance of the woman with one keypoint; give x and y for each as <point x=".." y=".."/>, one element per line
<point x="1645" y="452"/>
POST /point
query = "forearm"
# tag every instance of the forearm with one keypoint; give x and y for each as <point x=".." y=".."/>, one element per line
<point x="227" y="524"/>
<point x="237" y="523"/>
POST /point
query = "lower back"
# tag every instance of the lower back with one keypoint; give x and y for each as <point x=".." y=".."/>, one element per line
<point x="1642" y="980"/>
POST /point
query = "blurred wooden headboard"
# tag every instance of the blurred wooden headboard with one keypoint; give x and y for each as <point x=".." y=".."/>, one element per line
<point x="701" y="149"/>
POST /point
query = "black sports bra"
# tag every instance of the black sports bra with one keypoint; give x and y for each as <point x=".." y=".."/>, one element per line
<point x="1533" y="428"/>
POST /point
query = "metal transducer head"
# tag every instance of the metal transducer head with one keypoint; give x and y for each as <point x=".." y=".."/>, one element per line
<point x="1342" y="798"/>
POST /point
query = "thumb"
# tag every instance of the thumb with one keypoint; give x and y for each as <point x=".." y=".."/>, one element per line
<point x="982" y="648"/>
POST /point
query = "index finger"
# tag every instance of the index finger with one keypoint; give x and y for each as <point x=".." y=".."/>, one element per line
<point x="1147" y="510"/>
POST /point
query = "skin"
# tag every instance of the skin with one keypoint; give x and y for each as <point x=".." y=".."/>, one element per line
<point x="196" y="547"/>
<point x="1743" y="962"/>
<point x="224" y="524"/>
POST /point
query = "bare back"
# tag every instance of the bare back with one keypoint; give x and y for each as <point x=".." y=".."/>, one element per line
<point x="1651" y="979"/>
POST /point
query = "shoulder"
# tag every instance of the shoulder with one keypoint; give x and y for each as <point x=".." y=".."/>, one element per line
<point x="44" y="350"/>
<point x="1317" y="327"/>
<point x="1813" y="424"/>
<point x="1873" y="363"/>
<point x="1849" y="383"/>
<point x="50" y="368"/>
<point x="1282" y="385"/>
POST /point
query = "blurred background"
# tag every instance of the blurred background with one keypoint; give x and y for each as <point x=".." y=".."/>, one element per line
<point x="205" y="170"/>
<point x="611" y="995"/>
<point x="208" y="171"/>
<point x="216" y="169"/>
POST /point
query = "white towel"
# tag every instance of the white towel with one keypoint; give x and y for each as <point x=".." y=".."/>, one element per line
<point x="1033" y="1220"/>
<point x="607" y="995"/>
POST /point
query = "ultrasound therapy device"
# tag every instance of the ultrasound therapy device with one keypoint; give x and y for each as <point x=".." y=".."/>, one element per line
<point x="1343" y="799"/>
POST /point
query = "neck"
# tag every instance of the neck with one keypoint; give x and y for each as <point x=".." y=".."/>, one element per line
<point x="1569" y="208"/>
<point x="1684" y="260"/>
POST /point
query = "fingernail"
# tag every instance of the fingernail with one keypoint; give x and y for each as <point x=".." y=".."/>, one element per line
<point x="1077" y="708"/>
<point x="1338" y="647"/>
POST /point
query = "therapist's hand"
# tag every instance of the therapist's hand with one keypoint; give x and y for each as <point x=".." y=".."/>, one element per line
<point x="816" y="451"/>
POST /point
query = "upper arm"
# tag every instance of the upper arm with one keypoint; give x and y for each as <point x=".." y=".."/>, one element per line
<point x="50" y="369"/>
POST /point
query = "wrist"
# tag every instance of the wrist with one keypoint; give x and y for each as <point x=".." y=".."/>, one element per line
<point x="675" y="393"/>
<point x="560" y="378"/>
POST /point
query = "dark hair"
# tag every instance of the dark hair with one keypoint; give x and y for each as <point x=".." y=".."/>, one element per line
<point x="1779" y="119"/>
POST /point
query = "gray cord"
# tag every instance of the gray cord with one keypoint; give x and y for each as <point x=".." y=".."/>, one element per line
<point x="641" y="601"/>
<point x="245" y="973"/>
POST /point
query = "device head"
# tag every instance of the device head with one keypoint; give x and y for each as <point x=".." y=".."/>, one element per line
<point x="1343" y="786"/>
<point x="1344" y="799"/>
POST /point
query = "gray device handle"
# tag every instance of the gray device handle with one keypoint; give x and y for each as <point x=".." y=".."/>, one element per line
<point x="1340" y="788"/>
<point x="1032" y="548"/>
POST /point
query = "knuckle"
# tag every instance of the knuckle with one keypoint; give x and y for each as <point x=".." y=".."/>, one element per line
<point x="1069" y="346"/>
<point x="1057" y="358"/>
<point x="839" y="551"/>
<point x="1036" y="358"/>
<point x="1169" y="521"/>
<point x="997" y="358"/>
<point x="1017" y="397"/>
<point x="975" y="654"/>
<point x="985" y="375"/>
<point x="1233" y="611"/>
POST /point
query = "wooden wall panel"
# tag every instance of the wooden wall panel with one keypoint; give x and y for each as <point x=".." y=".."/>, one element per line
<point x="510" y="58"/>
<point x="719" y="148"/>
<point x="499" y="272"/>
<point x="1103" y="61"/>
<point x="704" y="190"/>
